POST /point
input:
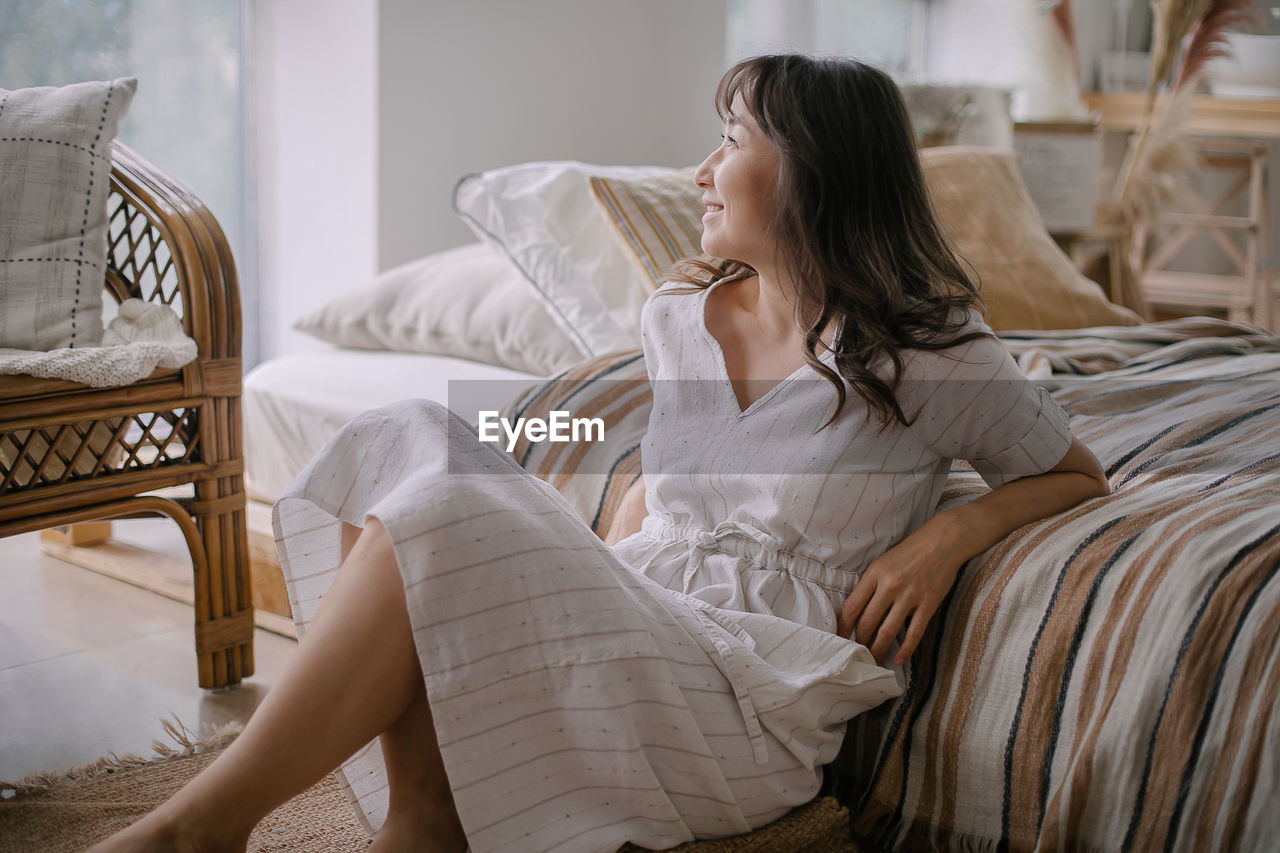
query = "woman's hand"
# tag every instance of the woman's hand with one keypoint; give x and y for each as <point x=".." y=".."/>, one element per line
<point x="903" y="587"/>
<point x="630" y="514"/>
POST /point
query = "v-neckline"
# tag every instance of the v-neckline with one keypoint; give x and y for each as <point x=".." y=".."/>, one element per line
<point x="755" y="404"/>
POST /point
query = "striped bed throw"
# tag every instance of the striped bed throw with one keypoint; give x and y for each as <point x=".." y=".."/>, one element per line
<point x="592" y="476"/>
<point x="1105" y="679"/>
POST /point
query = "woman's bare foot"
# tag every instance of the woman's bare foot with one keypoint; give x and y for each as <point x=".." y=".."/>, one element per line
<point x="415" y="832"/>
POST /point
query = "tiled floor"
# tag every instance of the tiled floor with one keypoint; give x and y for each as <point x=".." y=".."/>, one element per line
<point x="90" y="665"/>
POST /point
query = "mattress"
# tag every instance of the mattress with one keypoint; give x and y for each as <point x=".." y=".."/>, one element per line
<point x="294" y="403"/>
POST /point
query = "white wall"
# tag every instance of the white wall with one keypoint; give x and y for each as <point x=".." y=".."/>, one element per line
<point x="472" y="86"/>
<point x="316" y="125"/>
<point x="370" y="112"/>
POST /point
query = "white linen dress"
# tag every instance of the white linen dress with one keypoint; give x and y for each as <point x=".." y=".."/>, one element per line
<point x="686" y="682"/>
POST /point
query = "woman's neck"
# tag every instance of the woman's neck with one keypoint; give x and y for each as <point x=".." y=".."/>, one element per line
<point x="770" y="305"/>
<point x="771" y="301"/>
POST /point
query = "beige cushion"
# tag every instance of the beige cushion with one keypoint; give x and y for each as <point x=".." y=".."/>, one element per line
<point x="55" y="175"/>
<point x="468" y="302"/>
<point x="1026" y="280"/>
<point x="981" y="202"/>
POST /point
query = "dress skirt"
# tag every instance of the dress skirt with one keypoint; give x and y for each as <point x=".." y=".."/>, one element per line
<point x="578" y="704"/>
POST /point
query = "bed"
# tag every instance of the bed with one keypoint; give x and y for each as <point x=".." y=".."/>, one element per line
<point x="294" y="403"/>
<point x="1102" y="679"/>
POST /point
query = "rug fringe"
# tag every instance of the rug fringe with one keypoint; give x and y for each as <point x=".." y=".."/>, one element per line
<point x="188" y="743"/>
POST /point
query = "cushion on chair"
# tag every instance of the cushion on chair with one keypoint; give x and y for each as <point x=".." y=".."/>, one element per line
<point x="55" y="170"/>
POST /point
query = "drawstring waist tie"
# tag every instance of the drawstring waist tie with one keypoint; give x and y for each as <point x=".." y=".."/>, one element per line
<point x="725" y="642"/>
<point x="746" y="541"/>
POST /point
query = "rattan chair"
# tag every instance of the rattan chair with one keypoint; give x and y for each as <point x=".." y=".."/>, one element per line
<point x="71" y="453"/>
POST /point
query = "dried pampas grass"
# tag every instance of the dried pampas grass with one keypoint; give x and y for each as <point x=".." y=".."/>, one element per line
<point x="1171" y="20"/>
<point x="1158" y="174"/>
<point x="1209" y="38"/>
<point x="1156" y="167"/>
<point x="1155" y="174"/>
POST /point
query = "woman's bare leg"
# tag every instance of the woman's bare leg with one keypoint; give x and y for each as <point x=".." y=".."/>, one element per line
<point x="421" y="803"/>
<point x="354" y="676"/>
<point x="422" y="811"/>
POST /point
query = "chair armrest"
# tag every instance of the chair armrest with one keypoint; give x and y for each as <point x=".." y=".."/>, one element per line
<point x="165" y="246"/>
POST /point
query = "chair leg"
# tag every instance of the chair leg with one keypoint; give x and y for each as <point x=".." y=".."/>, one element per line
<point x="223" y="593"/>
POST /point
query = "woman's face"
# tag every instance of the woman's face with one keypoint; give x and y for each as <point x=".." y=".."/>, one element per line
<point x="739" y="181"/>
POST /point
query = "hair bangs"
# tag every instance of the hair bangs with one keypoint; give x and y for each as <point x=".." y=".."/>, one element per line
<point x="743" y="79"/>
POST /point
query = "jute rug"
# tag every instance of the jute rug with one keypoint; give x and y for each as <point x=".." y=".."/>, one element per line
<point x="68" y="811"/>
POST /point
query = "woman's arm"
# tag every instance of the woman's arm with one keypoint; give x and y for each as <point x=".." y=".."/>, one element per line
<point x="630" y="513"/>
<point x="906" y="584"/>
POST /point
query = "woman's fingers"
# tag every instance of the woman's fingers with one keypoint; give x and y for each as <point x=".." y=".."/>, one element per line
<point x="853" y="607"/>
<point x="877" y="618"/>
<point x="886" y="600"/>
<point x="889" y="630"/>
<point x="872" y="615"/>
<point x="915" y="631"/>
<point x="920" y="619"/>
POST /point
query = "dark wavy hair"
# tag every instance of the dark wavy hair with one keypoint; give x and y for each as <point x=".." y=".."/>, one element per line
<point x="853" y="221"/>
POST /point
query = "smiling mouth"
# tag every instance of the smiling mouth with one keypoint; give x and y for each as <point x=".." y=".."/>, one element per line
<point x="712" y="209"/>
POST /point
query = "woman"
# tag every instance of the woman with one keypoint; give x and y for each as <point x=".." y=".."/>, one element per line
<point x="520" y="684"/>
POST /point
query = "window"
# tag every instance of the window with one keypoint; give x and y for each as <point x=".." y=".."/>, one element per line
<point x="188" y="116"/>
<point x="886" y="33"/>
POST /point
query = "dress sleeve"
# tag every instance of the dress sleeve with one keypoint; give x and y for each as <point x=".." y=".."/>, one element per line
<point x="973" y="403"/>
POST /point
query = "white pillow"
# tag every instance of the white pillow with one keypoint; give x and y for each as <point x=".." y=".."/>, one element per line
<point x="55" y="175"/>
<point x="546" y="218"/>
<point x="468" y="302"/>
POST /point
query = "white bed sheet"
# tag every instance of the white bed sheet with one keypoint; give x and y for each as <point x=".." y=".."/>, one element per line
<point x="294" y="403"/>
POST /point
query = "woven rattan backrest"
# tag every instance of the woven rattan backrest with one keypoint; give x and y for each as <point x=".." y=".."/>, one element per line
<point x="139" y="263"/>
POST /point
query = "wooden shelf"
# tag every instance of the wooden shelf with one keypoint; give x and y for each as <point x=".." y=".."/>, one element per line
<point x="1228" y="117"/>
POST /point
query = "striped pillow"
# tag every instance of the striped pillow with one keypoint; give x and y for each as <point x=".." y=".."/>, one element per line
<point x="658" y="218"/>
<point x="591" y="475"/>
